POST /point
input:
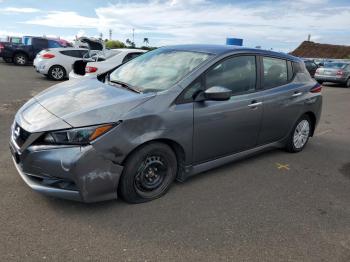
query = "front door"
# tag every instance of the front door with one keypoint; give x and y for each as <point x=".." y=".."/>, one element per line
<point x="226" y="127"/>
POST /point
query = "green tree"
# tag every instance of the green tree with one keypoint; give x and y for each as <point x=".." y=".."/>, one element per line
<point x="115" y="44"/>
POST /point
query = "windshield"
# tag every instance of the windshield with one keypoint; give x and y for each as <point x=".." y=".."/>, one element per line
<point x="158" y="70"/>
<point x="335" y="65"/>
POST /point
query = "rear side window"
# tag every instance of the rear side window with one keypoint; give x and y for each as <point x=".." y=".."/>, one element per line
<point x="236" y="73"/>
<point x="275" y="72"/>
<point x="39" y="43"/>
<point x="73" y="53"/>
<point x="53" y="44"/>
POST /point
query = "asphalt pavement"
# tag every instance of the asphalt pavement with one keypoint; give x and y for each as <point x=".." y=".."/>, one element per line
<point x="275" y="206"/>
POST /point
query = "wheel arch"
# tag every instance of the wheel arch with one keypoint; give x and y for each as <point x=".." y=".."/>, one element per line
<point x="312" y="117"/>
<point x="175" y="146"/>
<point x="20" y="52"/>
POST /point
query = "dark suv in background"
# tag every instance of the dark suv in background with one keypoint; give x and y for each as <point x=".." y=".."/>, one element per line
<point x="21" y="54"/>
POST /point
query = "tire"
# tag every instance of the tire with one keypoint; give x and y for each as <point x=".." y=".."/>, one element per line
<point x="300" y="135"/>
<point x="347" y="84"/>
<point x="8" y="60"/>
<point x="57" y="73"/>
<point x="320" y="82"/>
<point x="148" y="173"/>
<point x="20" y="59"/>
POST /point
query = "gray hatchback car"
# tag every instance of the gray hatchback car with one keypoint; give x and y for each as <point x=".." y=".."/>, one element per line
<point x="164" y="116"/>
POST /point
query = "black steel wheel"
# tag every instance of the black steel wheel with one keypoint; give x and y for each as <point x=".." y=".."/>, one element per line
<point x="148" y="173"/>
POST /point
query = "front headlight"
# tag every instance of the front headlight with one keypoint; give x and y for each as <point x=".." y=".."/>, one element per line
<point x="77" y="136"/>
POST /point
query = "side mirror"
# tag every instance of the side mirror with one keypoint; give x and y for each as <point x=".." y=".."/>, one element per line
<point x="215" y="93"/>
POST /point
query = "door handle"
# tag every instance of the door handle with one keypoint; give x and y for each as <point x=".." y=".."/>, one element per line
<point x="255" y="104"/>
<point x="297" y="94"/>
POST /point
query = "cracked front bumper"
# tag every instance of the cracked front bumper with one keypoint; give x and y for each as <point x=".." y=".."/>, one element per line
<point x="69" y="172"/>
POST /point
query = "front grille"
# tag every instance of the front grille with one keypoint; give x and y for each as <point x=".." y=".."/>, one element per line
<point x="20" y="135"/>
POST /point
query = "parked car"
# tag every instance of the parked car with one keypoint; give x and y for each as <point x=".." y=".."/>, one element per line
<point x="21" y="54"/>
<point x="56" y="63"/>
<point x="311" y="66"/>
<point x="335" y="72"/>
<point x="168" y="114"/>
<point x="85" y="68"/>
<point x="2" y="46"/>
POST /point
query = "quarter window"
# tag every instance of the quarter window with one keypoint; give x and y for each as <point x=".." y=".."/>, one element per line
<point x="130" y="56"/>
<point x="237" y="74"/>
<point x="275" y="72"/>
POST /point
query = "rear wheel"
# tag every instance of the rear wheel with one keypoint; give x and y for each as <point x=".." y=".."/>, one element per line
<point x="20" y="59"/>
<point x="300" y="135"/>
<point x="148" y="173"/>
<point x="57" y="73"/>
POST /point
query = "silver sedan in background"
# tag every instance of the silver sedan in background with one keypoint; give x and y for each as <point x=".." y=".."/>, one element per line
<point x="336" y="72"/>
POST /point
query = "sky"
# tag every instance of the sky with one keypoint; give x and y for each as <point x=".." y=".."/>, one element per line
<point x="278" y="25"/>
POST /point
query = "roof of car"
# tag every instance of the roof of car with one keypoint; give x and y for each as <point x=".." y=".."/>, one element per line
<point x="66" y="48"/>
<point x="129" y="50"/>
<point x="223" y="49"/>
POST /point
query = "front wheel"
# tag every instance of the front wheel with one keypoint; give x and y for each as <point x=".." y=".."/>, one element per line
<point x="148" y="173"/>
<point x="8" y="60"/>
<point x="300" y="135"/>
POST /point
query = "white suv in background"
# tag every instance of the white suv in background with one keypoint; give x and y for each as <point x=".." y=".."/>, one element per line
<point x="85" y="67"/>
<point x="57" y="63"/>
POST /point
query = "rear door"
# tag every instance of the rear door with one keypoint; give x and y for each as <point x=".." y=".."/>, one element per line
<point x="282" y="99"/>
<point x="226" y="127"/>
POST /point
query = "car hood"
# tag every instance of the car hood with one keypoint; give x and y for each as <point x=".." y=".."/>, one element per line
<point x="79" y="103"/>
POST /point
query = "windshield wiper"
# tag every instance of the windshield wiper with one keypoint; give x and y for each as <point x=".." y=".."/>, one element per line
<point x="126" y="85"/>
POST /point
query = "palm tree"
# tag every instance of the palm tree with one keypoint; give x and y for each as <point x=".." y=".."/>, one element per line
<point x="146" y="41"/>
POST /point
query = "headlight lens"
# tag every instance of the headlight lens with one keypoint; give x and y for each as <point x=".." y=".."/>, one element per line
<point x="77" y="136"/>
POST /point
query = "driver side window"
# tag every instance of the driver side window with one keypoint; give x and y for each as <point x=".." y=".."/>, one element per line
<point x="237" y="74"/>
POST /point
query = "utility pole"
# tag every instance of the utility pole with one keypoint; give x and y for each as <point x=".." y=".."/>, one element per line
<point x="133" y="35"/>
<point x="110" y="34"/>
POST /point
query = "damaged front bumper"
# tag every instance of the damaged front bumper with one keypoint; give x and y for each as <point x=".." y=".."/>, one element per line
<point x="71" y="172"/>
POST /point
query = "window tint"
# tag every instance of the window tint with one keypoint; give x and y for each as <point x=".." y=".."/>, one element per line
<point x="54" y="44"/>
<point x="130" y="56"/>
<point x="275" y="72"/>
<point x="237" y="74"/>
<point x="39" y="43"/>
<point x="73" y="53"/>
<point x="192" y="89"/>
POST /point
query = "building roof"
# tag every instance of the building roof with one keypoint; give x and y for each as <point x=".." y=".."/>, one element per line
<point x="316" y="50"/>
